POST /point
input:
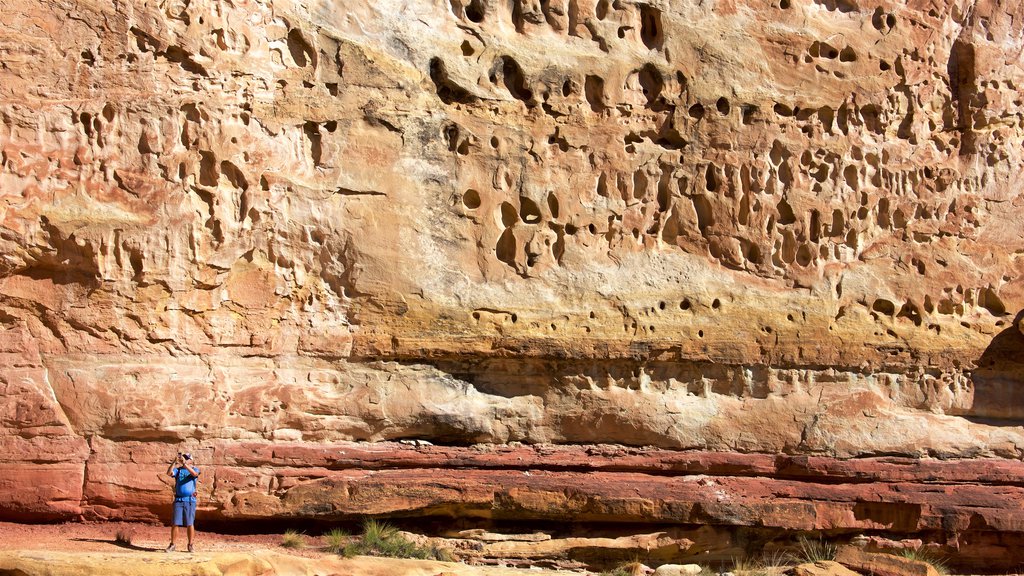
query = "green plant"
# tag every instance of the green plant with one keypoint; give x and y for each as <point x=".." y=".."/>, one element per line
<point x="336" y="540"/>
<point x="352" y="549"/>
<point x="377" y="535"/>
<point x="293" y="539"/>
<point x="379" y="539"/>
<point x="815" y="550"/>
<point x="928" y="556"/>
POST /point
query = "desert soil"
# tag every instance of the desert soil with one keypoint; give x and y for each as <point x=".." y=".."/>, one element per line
<point x="91" y="548"/>
<point x="100" y="537"/>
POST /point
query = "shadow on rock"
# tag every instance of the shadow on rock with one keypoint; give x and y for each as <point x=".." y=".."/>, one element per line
<point x="999" y="379"/>
<point x="119" y="544"/>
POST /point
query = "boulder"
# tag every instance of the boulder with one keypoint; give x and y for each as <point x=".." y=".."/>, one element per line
<point x="879" y="564"/>
<point x="823" y="568"/>
<point x="678" y="570"/>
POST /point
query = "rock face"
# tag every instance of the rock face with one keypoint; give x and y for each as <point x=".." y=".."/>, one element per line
<point x="269" y="230"/>
<point x="883" y="564"/>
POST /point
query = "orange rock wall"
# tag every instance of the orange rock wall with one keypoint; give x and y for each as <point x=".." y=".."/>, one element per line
<point x="739" y="227"/>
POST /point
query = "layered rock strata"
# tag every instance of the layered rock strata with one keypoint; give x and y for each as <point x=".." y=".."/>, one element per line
<point x="743" y="228"/>
<point x="710" y="506"/>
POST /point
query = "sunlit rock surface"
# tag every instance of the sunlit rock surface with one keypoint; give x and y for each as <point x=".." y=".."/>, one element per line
<point x="728" y="227"/>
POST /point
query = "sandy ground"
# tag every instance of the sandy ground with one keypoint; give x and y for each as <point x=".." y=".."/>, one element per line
<point x="101" y="537"/>
<point x="91" y="549"/>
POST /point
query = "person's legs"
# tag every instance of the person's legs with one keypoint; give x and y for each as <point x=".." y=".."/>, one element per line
<point x="177" y="518"/>
<point x="190" y="519"/>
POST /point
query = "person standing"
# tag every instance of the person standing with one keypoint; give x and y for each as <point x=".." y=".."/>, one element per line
<point x="185" y="475"/>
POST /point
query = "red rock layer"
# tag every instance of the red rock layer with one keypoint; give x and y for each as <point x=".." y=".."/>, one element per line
<point x="972" y="507"/>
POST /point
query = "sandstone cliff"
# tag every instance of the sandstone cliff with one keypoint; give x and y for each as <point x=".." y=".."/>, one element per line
<point x="281" y="231"/>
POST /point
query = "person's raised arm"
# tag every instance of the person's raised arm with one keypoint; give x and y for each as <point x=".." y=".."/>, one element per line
<point x="170" y="467"/>
<point x="188" y="466"/>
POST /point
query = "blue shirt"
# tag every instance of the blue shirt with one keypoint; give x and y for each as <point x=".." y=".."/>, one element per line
<point x="184" y="482"/>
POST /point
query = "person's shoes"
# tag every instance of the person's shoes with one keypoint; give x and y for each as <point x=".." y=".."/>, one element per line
<point x="190" y="548"/>
<point x="170" y="548"/>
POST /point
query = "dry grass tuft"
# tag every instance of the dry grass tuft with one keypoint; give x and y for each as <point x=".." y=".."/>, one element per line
<point x="380" y="539"/>
<point x="928" y="556"/>
<point x="123" y="537"/>
<point x="336" y="540"/>
<point x="293" y="539"/>
<point x="815" y="550"/>
<point x="775" y="565"/>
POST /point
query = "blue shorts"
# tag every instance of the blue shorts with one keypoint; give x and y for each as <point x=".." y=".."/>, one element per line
<point x="184" y="512"/>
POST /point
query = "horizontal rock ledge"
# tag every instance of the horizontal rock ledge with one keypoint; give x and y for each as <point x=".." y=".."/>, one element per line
<point x="416" y="454"/>
<point x="972" y="507"/>
<point x="245" y="480"/>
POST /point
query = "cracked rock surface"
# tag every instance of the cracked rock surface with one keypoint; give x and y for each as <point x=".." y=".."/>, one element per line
<point x="734" y="227"/>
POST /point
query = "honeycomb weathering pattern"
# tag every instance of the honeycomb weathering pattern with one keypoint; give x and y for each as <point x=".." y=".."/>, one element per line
<point x="760" y="227"/>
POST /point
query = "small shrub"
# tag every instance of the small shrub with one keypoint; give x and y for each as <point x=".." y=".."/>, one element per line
<point x="379" y="535"/>
<point x="774" y="565"/>
<point x="336" y="540"/>
<point x="815" y="550"/>
<point x="928" y="556"/>
<point x="352" y="549"/>
<point x="293" y="539"/>
<point x="123" y="537"/>
<point x="379" y="539"/>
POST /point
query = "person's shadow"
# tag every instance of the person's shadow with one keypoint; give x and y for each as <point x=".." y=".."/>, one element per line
<point x="999" y="380"/>
<point x="119" y="543"/>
